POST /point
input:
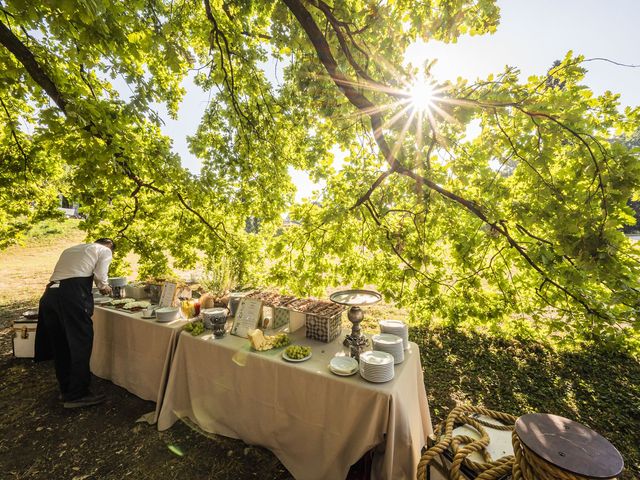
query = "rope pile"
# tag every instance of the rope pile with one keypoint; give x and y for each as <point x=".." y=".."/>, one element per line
<point x="523" y="465"/>
<point x="462" y="446"/>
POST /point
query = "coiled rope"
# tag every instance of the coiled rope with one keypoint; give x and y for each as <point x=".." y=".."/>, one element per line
<point x="522" y="465"/>
<point x="462" y="446"/>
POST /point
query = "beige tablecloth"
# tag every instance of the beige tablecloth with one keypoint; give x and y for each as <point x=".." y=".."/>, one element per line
<point x="318" y="424"/>
<point x="133" y="352"/>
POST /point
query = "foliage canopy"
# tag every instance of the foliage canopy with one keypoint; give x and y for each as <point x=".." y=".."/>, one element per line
<point x="520" y="223"/>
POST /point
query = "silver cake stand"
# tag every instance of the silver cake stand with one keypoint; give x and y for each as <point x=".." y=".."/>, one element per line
<point x="356" y="341"/>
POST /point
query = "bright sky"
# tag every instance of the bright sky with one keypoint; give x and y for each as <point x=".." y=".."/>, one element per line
<point x="531" y="35"/>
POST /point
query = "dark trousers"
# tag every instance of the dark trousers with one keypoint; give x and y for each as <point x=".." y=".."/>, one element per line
<point x="65" y="333"/>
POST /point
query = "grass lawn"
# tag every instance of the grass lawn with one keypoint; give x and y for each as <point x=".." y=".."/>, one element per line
<point x="25" y="269"/>
<point x="596" y="388"/>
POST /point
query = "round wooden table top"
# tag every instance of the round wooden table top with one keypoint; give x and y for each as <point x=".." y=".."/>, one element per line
<point x="569" y="445"/>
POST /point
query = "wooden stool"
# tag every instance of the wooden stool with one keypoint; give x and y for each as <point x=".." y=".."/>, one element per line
<point x="569" y="446"/>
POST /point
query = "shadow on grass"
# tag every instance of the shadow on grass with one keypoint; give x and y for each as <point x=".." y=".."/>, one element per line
<point x="598" y="389"/>
<point x="10" y="312"/>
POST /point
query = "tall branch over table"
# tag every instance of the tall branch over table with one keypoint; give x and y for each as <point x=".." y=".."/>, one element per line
<point x="367" y="108"/>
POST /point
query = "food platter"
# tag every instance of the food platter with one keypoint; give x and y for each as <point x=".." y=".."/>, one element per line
<point x="101" y="300"/>
<point x="356" y="297"/>
<point x="137" y="305"/>
<point x="121" y="301"/>
<point x="289" y="359"/>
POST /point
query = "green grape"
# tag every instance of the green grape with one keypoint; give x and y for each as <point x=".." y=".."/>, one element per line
<point x="195" y="328"/>
<point x="297" y="352"/>
<point x="281" y="340"/>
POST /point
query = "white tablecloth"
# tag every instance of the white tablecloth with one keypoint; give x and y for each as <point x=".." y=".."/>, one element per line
<point x="133" y="352"/>
<point x="318" y="424"/>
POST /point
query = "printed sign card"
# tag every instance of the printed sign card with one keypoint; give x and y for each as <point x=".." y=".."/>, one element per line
<point x="168" y="295"/>
<point x="247" y="317"/>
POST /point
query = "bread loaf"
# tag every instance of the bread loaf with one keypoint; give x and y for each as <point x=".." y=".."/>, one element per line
<point x="207" y="301"/>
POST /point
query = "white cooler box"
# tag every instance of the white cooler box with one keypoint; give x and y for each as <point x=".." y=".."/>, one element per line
<point x="24" y="337"/>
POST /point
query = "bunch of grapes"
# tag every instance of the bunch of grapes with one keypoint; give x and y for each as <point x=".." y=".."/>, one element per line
<point x="195" y="328"/>
<point x="280" y="340"/>
<point x="297" y="352"/>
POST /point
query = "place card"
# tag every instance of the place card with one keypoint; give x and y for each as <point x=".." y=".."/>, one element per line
<point x="247" y="317"/>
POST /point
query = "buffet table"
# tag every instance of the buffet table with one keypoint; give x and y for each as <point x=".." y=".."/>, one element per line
<point x="318" y="424"/>
<point x="133" y="352"/>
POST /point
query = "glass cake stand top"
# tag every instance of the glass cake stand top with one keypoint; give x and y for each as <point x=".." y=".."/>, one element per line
<point x="356" y="297"/>
<point x="356" y="341"/>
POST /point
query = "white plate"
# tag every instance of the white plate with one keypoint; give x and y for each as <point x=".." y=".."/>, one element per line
<point x="375" y="357"/>
<point x="343" y="374"/>
<point x="377" y="377"/>
<point x="149" y="318"/>
<point x="400" y="325"/>
<point x="167" y="321"/>
<point x="289" y="359"/>
<point x="101" y="300"/>
<point x="343" y="365"/>
<point x="387" y="339"/>
<point x="377" y="380"/>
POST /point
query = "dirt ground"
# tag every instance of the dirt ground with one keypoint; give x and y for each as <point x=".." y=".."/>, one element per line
<point x="41" y="440"/>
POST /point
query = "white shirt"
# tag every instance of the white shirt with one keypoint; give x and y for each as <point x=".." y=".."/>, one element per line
<point x="84" y="260"/>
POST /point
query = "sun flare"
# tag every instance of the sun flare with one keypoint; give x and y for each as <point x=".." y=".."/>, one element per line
<point x="422" y="93"/>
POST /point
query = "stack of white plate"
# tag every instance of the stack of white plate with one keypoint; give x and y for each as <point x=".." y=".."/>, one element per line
<point x="386" y="342"/>
<point x="396" y="327"/>
<point x="376" y="366"/>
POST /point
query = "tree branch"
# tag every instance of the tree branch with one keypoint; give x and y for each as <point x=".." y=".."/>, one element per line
<point x="365" y="197"/>
<point x="201" y="218"/>
<point x="366" y="107"/>
<point x="16" y="139"/>
<point x="396" y="250"/>
<point x="229" y="78"/>
<point x="549" y="184"/>
<point x="335" y="24"/>
<point x="24" y="56"/>
<point x="37" y="73"/>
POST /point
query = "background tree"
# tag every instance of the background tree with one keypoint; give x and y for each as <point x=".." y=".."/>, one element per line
<point x="633" y="144"/>
<point x="523" y="219"/>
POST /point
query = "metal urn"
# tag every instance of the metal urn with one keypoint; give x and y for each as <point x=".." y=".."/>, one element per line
<point x="356" y="341"/>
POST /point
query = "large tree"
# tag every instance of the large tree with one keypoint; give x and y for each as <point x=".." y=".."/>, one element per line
<point x="519" y="225"/>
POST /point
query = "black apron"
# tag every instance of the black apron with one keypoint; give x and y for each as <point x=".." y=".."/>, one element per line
<point x="65" y="333"/>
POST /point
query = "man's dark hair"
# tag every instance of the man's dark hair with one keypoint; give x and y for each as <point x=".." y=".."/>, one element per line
<point x="107" y="242"/>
